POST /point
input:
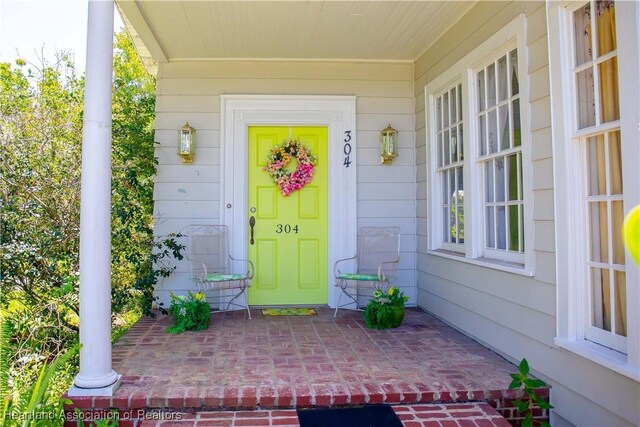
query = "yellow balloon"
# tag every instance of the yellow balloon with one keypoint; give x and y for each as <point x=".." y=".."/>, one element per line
<point x="631" y="233"/>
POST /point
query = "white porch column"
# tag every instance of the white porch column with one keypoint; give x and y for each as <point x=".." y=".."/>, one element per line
<point x="96" y="376"/>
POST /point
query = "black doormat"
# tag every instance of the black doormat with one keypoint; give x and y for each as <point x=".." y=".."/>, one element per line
<point x="364" y="416"/>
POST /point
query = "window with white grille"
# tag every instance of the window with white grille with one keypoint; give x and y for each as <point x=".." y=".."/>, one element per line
<point x="499" y="140"/>
<point x="450" y="166"/>
<point x="597" y="133"/>
<point x="593" y="72"/>
<point x="477" y="157"/>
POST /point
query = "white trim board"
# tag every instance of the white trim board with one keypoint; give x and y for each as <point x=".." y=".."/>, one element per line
<point x="338" y="113"/>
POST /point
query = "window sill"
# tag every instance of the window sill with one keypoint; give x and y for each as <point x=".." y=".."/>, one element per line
<point x="507" y="267"/>
<point x="603" y="356"/>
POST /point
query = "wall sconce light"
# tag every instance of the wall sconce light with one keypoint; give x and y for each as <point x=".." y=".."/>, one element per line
<point x="187" y="143"/>
<point x="388" y="145"/>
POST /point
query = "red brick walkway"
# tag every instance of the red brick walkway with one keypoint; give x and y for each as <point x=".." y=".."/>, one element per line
<point x="451" y="415"/>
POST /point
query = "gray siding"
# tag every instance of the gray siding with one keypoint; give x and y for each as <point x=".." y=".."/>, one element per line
<point x="190" y="91"/>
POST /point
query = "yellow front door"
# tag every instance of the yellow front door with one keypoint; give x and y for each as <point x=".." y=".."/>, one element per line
<point x="289" y="248"/>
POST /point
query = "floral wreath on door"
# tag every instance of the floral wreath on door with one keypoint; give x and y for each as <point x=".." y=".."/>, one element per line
<point x="280" y="156"/>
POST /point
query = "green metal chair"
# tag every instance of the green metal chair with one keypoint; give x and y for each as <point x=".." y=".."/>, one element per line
<point x="210" y="262"/>
<point x="376" y="264"/>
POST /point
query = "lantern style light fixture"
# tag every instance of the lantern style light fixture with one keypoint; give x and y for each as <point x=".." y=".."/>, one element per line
<point x="187" y="143"/>
<point x="388" y="145"/>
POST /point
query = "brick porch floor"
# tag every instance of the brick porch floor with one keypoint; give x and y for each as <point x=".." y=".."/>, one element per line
<point x="286" y="362"/>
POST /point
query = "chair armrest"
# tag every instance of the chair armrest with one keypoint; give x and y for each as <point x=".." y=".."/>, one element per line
<point x="336" y="272"/>
<point x="396" y="261"/>
<point x="250" y="269"/>
<point x="204" y="267"/>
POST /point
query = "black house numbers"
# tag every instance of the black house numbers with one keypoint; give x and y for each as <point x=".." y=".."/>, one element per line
<point x="346" y="149"/>
<point x="286" y="228"/>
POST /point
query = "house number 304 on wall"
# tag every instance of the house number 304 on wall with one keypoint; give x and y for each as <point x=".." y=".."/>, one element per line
<point x="346" y="149"/>
<point x="286" y="228"/>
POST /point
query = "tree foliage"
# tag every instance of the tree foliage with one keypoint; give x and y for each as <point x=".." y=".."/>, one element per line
<point x="41" y="110"/>
<point x="40" y="124"/>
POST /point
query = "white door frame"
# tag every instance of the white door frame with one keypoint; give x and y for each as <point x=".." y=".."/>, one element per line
<point x="338" y="113"/>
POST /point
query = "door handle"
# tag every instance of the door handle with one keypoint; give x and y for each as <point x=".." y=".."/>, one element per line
<point x="252" y="223"/>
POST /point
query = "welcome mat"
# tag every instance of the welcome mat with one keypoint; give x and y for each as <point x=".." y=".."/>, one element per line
<point x="288" y="312"/>
<point x="364" y="416"/>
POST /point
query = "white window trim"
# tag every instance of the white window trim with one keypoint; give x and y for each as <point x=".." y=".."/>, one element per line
<point x="513" y="34"/>
<point x="571" y="297"/>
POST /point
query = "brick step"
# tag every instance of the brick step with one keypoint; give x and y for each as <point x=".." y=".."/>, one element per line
<point x="475" y="414"/>
<point x="233" y="402"/>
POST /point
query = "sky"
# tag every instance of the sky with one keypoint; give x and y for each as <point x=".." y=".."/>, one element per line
<point x="28" y="28"/>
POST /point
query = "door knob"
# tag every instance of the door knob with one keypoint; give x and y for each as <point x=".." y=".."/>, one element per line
<point x="252" y="223"/>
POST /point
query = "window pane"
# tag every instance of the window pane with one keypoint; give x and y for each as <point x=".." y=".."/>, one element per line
<point x="453" y="103"/>
<point x="445" y="109"/>
<point x="500" y="192"/>
<point x="445" y="224"/>
<point x="490" y="228"/>
<point x="439" y="145"/>
<point x="514" y="229"/>
<point x="600" y="283"/>
<point x="460" y="185"/>
<point x="512" y="177"/>
<point x="488" y="179"/>
<point x="460" y="143"/>
<point x="481" y="94"/>
<point x="491" y="85"/>
<point x="445" y="189"/>
<point x="615" y="163"/>
<point x="459" y="102"/>
<point x="460" y="224"/>
<point x="620" y="303"/>
<point x="599" y="225"/>
<point x="452" y="185"/>
<point x="493" y="131"/>
<point x="617" y="217"/>
<point x="439" y="113"/>
<point x="501" y="227"/>
<point x="502" y="78"/>
<point x="446" y="142"/>
<point x="522" y="236"/>
<point x="503" y="127"/>
<point x="482" y="133"/>
<point x="606" y="23"/>
<point x="596" y="166"/>
<point x="582" y="34"/>
<point x="517" y="134"/>
<point x="586" y="103"/>
<point x="609" y="103"/>
<point x="513" y="61"/>
<point x="454" y="145"/>
<point x="452" y="225"/>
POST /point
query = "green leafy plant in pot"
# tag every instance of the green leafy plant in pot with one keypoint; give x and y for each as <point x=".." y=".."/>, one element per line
<point x="385" y="310"/>
<point x="189" y="313"/>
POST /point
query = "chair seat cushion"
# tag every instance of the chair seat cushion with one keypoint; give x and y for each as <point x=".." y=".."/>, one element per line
<point x="224" y="277"/>
<point x="367" y="277"/>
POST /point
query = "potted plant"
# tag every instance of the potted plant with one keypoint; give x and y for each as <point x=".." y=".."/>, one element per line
<point x="385" y="310"/>
<point x="189" y="313"/>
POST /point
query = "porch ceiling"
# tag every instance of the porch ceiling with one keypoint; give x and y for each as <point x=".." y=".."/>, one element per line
<point x="342" y="30"/>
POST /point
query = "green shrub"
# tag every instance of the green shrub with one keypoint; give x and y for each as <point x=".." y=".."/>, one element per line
<point x="189" y="313"/>
<point x="380" y="312"/>
<point x="522" y="380"/>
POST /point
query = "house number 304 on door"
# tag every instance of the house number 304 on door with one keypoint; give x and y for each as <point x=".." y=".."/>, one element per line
<point x="286" y="228"/>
